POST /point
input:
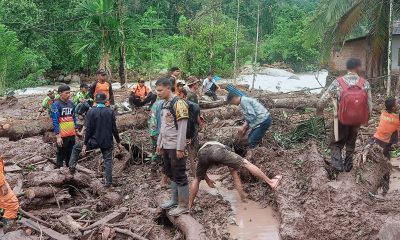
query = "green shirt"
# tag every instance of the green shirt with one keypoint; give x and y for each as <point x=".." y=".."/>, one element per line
<point x="79" y="96"/>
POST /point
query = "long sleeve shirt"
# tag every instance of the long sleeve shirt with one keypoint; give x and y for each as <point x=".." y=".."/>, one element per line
<point x="170" y="137"/>
<point x="335" y="89"/>
<point x="63" y="118"/>
<point x="101" y="126"/>
<point x="254" y="112"/>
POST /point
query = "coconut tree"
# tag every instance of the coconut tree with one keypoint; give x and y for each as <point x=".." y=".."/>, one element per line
<point x="102" y="31"/>
<point x="337" y="20"/>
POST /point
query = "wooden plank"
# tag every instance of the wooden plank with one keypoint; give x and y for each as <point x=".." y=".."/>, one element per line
<point x="12" y="168"/>
<point x="114" y="216"/>
<point x="40" y="228"/>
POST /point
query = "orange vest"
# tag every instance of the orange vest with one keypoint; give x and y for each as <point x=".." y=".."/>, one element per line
<point x="141" y="91"/>
<point x="103" y="88"/>
<point x="389" y="123"/>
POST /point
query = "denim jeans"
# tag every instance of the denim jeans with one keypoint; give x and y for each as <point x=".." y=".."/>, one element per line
<point x="257" y="133"/>
<point x="107" y="157"/>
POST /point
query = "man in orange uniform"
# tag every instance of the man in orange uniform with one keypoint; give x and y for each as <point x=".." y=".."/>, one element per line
<point x="386" y="135"/>
<point x="8" y="201"/>
<point x="102" y="86"/>
<point x="141" y="95"/>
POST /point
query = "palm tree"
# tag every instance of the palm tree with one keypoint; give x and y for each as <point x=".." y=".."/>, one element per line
<point x="103" y="32"/>
<point x="336" y="20"/>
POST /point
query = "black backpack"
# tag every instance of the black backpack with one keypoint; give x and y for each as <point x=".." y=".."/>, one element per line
<point x="194" y="112"/>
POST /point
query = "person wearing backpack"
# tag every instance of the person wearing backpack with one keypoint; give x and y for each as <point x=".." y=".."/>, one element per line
<point x="171" y="145"/>
<point x="352" y="94"/>
<point x="192" y="137"/>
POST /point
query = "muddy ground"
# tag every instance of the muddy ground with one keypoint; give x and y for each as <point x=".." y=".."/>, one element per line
<point x="309" y="205"/>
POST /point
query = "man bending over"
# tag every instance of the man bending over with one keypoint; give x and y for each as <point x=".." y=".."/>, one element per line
<point x="215" y="153"/>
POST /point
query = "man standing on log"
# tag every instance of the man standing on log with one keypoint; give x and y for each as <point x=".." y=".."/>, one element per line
<point x="64" y="124"/>
<point x="171" y="144"/>
<point x="8" y="201"/>
<point x="102" y="86"/>
<point x="215" y="153"/>
<point x="100" y="128"/>
<point x="257" y="118"/>
<point x="351" y="95"/>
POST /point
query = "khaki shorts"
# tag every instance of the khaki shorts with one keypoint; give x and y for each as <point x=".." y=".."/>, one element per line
<point x="216" y="155"/>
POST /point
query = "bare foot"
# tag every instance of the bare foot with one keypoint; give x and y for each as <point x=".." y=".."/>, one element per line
<point x="275" y="181"/>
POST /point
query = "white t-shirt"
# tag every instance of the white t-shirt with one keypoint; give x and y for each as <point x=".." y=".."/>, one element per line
<point x="207" y="84"/>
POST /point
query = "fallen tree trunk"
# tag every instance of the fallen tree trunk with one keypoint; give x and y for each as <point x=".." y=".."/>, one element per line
<point x="190" y="227"/>
<point x="213" y="104"/>
<point x="18" y="129"/>
<point x="56" y="178"/>
<point x="225" y="135"/>
<point x="221" y="113"/>
<point x="296" y="103"/>
<point x="40" y="192"/>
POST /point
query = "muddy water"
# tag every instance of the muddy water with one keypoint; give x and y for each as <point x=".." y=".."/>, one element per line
<point x="395" y="176"/>
<point x="252" y="221"/>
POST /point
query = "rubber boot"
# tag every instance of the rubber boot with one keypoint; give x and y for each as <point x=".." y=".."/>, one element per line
<point x="183" y="198"/>
<point x="9" y="225"/>
<point x="336" y="160"/>
<point x="174" y="197"/>
<point x="348" y="163"/>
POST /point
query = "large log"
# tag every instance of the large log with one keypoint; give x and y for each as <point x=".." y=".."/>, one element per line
<point x="221" y="113"/>
<point x="44" y="178"/>
<point x="18" y="129"/>
<point x="190" y="227"/>
<point x="224" y="135"/>
<point x="40" y="192"/>
<point x="213" y="104"/>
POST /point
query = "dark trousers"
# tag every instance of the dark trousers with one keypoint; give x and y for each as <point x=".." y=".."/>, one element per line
<point x="107" y="157"/>
<point x="256" y="134"/>
<point x="136" y="101"/>
<point x="211" y="92"/>
<point x="64" y="152"/>
<point x="175" y="168"/>
<point x="82" y="108"/>
<point x="347" y="138"/>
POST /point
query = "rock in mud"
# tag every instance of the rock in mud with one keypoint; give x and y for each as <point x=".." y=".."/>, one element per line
<point x="390" y="231"/>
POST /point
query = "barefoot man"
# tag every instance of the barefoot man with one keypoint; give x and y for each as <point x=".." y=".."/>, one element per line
<point x="215" y="153"/>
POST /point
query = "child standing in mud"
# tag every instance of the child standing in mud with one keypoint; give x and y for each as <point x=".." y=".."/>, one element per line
<point x="386" y="135"/>
<point x="215" y="153"/>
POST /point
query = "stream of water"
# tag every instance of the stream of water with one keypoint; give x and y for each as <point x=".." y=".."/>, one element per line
<point x="252" y="221"/>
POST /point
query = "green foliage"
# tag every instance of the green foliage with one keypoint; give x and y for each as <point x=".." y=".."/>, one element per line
<point x="20" y="66"/>
<point x="198" y="36"/>
<point x="288" y="42"/>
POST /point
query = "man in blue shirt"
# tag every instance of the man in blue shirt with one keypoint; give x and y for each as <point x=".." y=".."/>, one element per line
<point x="64" y="124"/>
<point x="210" y="86"/>
<point x="258" y="119"/>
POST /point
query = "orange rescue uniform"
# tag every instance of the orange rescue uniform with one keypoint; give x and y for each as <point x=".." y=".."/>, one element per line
<point x="9" y="202"/>
<point x="389" y="123"/>
<point x="141" y="91"/>
<point x="103" y="88"/>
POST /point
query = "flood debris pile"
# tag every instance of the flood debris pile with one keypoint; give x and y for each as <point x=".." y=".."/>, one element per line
<point x="57" y="204"/>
